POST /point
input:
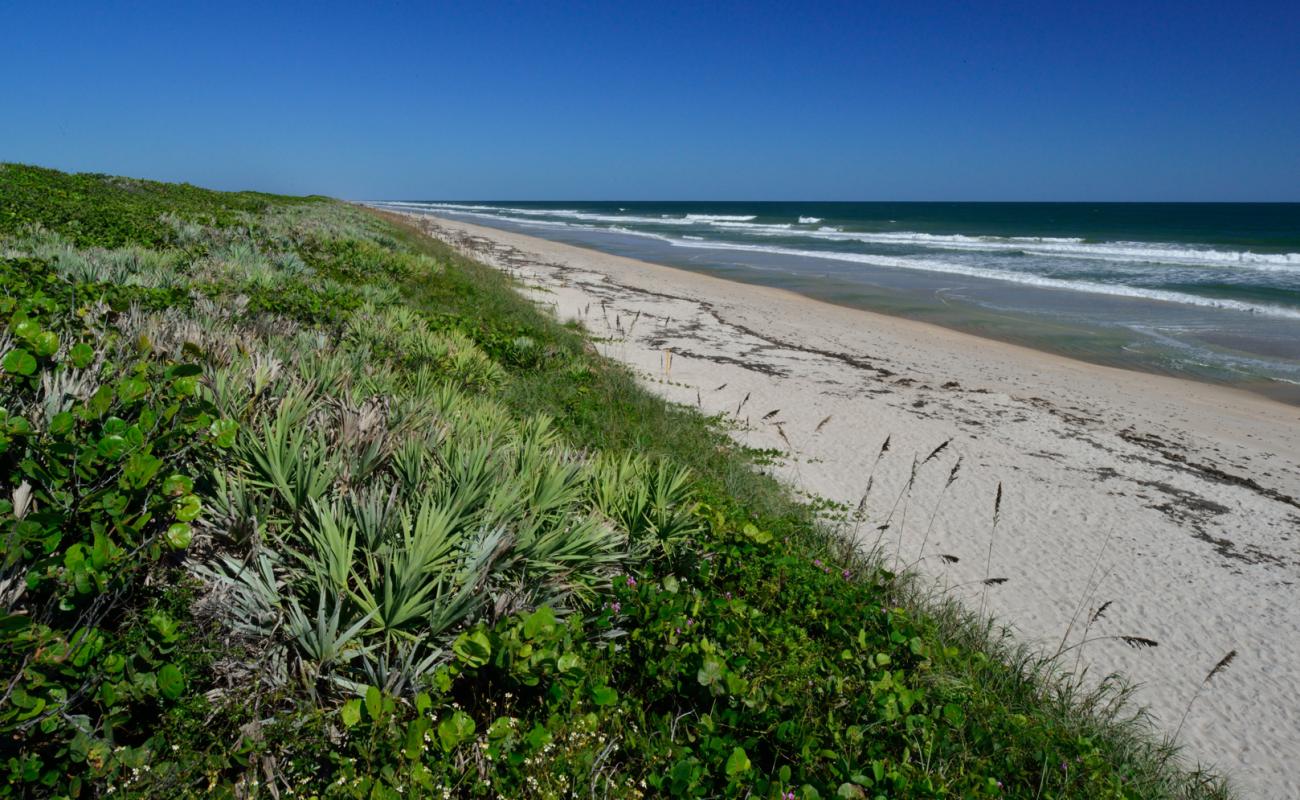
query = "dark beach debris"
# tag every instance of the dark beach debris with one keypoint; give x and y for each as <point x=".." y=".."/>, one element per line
<point x="1180" y="461"/>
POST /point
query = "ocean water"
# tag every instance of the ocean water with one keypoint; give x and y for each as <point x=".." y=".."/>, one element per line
<point x="1201" y="290"/>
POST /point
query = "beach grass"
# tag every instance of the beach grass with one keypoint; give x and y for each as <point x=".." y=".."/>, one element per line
<point x="300" y="502"/>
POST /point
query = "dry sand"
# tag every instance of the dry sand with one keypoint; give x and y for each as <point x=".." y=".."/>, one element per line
<point x="1179" y="499"/>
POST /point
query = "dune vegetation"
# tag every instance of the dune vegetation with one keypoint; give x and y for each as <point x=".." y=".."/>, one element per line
<point x="297" y="502"/>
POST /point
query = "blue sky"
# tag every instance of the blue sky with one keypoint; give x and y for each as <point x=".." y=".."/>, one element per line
<point x="756" y="100"/>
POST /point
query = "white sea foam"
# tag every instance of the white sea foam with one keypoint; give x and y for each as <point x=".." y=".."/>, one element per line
<point x="632" y="232"/>
<point x="1063" y="247"/>
<point x="565" y="213"/>
<point x="1133" y="252"/>
<point x="586" y="216"/>
<point x="544" y="212"/>
<point x="809" y="220"/>
<point x="754" y="227"/>
<point x="546" y="223"/>
<point x="933" y="265"/>
<point x="1050" y="246"/>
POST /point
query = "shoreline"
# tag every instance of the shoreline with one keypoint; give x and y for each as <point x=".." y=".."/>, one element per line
<point x="1092" y="339"/>
<point x="1229" y="396"/>
<point x="1180" y="496"/>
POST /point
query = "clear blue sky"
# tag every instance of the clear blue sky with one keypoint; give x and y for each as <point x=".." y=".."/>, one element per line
<point x="1041" y="100"/>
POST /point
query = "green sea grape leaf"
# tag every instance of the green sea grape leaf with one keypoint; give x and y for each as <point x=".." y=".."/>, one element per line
<point x="538" y="737"/>
<point x="710" y="673"/>
<point x="351" y="712"/>
<point x="223" y="432"/>
<point x="178" y="485"/>
<point x="472" y="648"/>
<point x="455" y="730"/>
<point x="179" y="535"/>
<point x="568" y="662"/>
<point x="755" y="535"/>
<point x="45" y="344"/>
<point x="27" y="329"/>
<point x="100" y="401"/>
<point x="140" y="469"/>
<point x="131" y="389"/>
<point x="188" y="508"/>
<point x="18" y="362"/>
<point x="112" y="446"/>
<point x="81" y="355"/>
<point x="101" y="552"/>
<point x="540" y="621"/>
<point x="62" y="423"/>
<point x="738" y="763"/>
<point x="171" y="683"/>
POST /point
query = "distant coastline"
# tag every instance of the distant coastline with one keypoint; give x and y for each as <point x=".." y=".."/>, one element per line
<point x="1211" y="293"/>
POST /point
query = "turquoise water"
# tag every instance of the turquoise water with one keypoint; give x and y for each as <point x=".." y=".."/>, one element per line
<point x="1201" y="290"/>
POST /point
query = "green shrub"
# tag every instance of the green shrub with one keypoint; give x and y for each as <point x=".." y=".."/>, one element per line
<point x="99" y="446"/>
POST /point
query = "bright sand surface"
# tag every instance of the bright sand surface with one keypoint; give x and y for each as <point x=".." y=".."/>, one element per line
<point x="1174" y="500"/>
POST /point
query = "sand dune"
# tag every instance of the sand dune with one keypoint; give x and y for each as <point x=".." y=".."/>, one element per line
<point x="1174" y="501"/>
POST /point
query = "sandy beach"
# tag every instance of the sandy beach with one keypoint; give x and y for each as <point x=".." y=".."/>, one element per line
<point x="1175" y="502"/>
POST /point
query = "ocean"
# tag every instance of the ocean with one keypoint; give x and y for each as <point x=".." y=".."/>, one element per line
<point x="1208" y="291"/>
